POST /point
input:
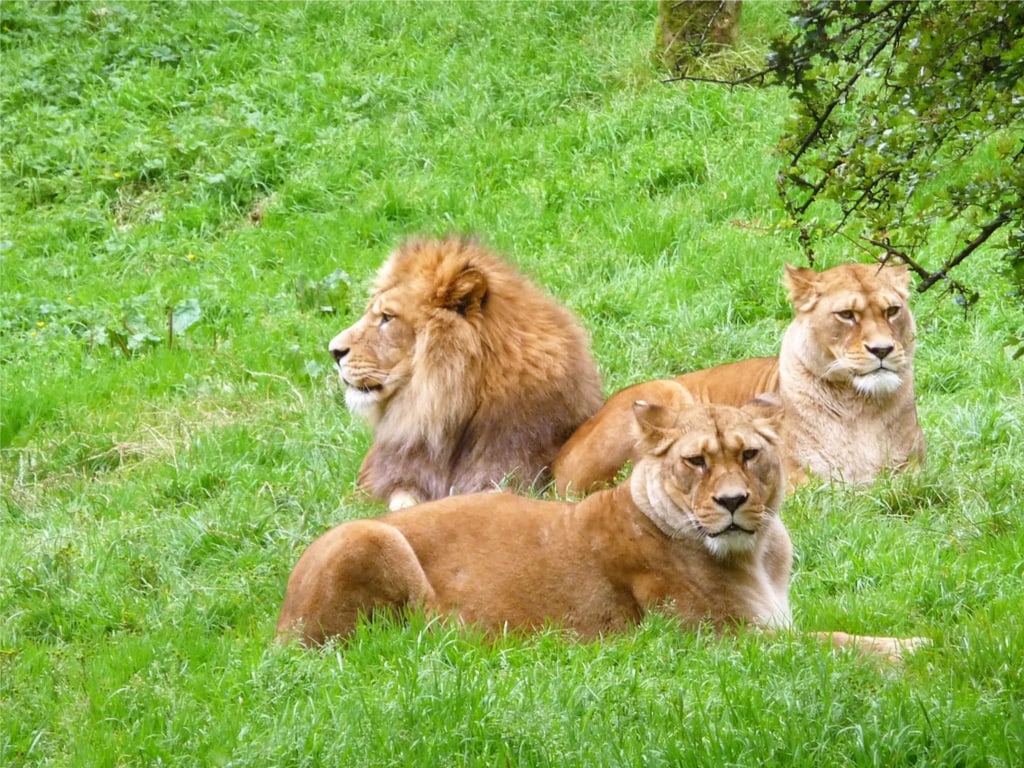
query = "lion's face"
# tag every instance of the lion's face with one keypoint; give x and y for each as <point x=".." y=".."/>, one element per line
<point x="710" y="472"/>
<point x="853" y="326"/>
<point x="375" y="355"/>
<point x="418" y="341"/>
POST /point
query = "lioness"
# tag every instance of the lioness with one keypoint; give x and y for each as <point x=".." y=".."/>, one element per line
<point x="695" y="530"/>
<point x="468" y="373"/>
<point x="845" y="373"/>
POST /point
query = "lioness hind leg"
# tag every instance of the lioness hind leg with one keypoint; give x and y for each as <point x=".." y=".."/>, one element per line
<point x="356" y="568"/>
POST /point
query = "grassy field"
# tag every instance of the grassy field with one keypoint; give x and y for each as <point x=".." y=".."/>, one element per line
<point x="244" y="168"/>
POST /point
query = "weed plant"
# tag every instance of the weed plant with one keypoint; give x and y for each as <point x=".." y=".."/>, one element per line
<point x="194" y="198"/>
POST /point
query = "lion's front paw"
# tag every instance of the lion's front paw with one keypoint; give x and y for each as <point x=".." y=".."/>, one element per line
<point x="401" y="500"/>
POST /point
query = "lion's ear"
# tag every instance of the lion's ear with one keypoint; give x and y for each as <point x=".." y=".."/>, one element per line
<point x="467" y="292"/>
<point x="803" y="287"/>
<point x="767" y="412"/>
<point x="656" y="426"/>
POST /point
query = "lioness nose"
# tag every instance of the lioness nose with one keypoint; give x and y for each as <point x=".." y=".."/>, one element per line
<point x="881" y="352"/>
<point x="732" y="503"/>
<point x="338" y="353"/>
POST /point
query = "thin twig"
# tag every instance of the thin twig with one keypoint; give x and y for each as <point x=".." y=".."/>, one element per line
<point x="986" y="232"/>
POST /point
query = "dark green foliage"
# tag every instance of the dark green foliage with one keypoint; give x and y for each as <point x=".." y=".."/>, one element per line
<point x="909" y="120"/>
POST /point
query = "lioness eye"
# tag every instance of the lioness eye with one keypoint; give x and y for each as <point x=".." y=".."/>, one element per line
<point x="892" y="311"/>
<point x="696" y="461"/>
<point x="386" y="318"/>
<point x="750" y="454"/>
<point x="846" y="314"/>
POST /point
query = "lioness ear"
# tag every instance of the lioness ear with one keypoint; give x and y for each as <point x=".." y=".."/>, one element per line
<point x="803" y="287"/>
<point x="767" y="412"/>
<point x="656" y="426"/>
<point x="899" y="275"/>
<point x="467" y="292"/>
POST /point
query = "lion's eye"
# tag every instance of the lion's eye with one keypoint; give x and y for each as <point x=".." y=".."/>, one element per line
<point x="892" y="311"/>
<point x="846" y="314"/>
<point x="696" y="461"/>
<point x="750" y="454"/>
<point x="385" y="318"/>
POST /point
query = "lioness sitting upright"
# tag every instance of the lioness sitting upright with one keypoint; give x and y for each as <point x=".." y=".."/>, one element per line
<point x="468" y="373"/>
<point x="845" y="374"/>
<point x="695" y="531"/>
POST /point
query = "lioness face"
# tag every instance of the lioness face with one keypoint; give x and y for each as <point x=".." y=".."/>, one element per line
<point x="853" y="325"/>
<point x="375" y="355"/>
<point x="713" y="473"/>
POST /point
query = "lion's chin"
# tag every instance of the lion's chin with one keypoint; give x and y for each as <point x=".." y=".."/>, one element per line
<point x="365" y="403"/>
<point x="879" y="383"/>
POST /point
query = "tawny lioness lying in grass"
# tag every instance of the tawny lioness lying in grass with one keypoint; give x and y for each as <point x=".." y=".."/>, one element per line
<point x="845" y="373"/>
<point x="695" y="531"/>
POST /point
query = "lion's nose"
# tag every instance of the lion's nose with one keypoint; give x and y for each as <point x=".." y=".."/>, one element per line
<point x="881" y="352"/>
<point x="338" y="353"/>
<point x="732" y="503"/>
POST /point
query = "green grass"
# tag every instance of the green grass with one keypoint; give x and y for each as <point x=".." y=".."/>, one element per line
<point x="155" y="496"/>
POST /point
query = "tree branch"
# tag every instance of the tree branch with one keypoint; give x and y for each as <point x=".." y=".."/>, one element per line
<point x="986" y="232"/>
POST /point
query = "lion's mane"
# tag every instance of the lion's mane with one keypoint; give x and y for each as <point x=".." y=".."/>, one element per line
<point x="494" y="377"/>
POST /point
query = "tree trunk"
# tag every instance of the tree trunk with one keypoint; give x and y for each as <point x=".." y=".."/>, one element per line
<point x="688" y="29"/>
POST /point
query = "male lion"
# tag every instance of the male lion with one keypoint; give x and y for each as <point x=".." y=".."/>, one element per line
<point x="468" y="373"/>
<point x="695" y="531"/>
<point x="845" y="373"/>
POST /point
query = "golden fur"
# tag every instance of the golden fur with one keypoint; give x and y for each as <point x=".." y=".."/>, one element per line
<point x="467" y="372"/>
<point x="844" y="372"/>
<point x="695" y="531"/>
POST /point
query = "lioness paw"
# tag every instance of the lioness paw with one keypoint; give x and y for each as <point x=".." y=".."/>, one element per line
<point x="893" y="649"/>
<point x="896" y="649"/>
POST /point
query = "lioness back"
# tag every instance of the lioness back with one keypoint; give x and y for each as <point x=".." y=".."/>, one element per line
<point x="469" y="374"/>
